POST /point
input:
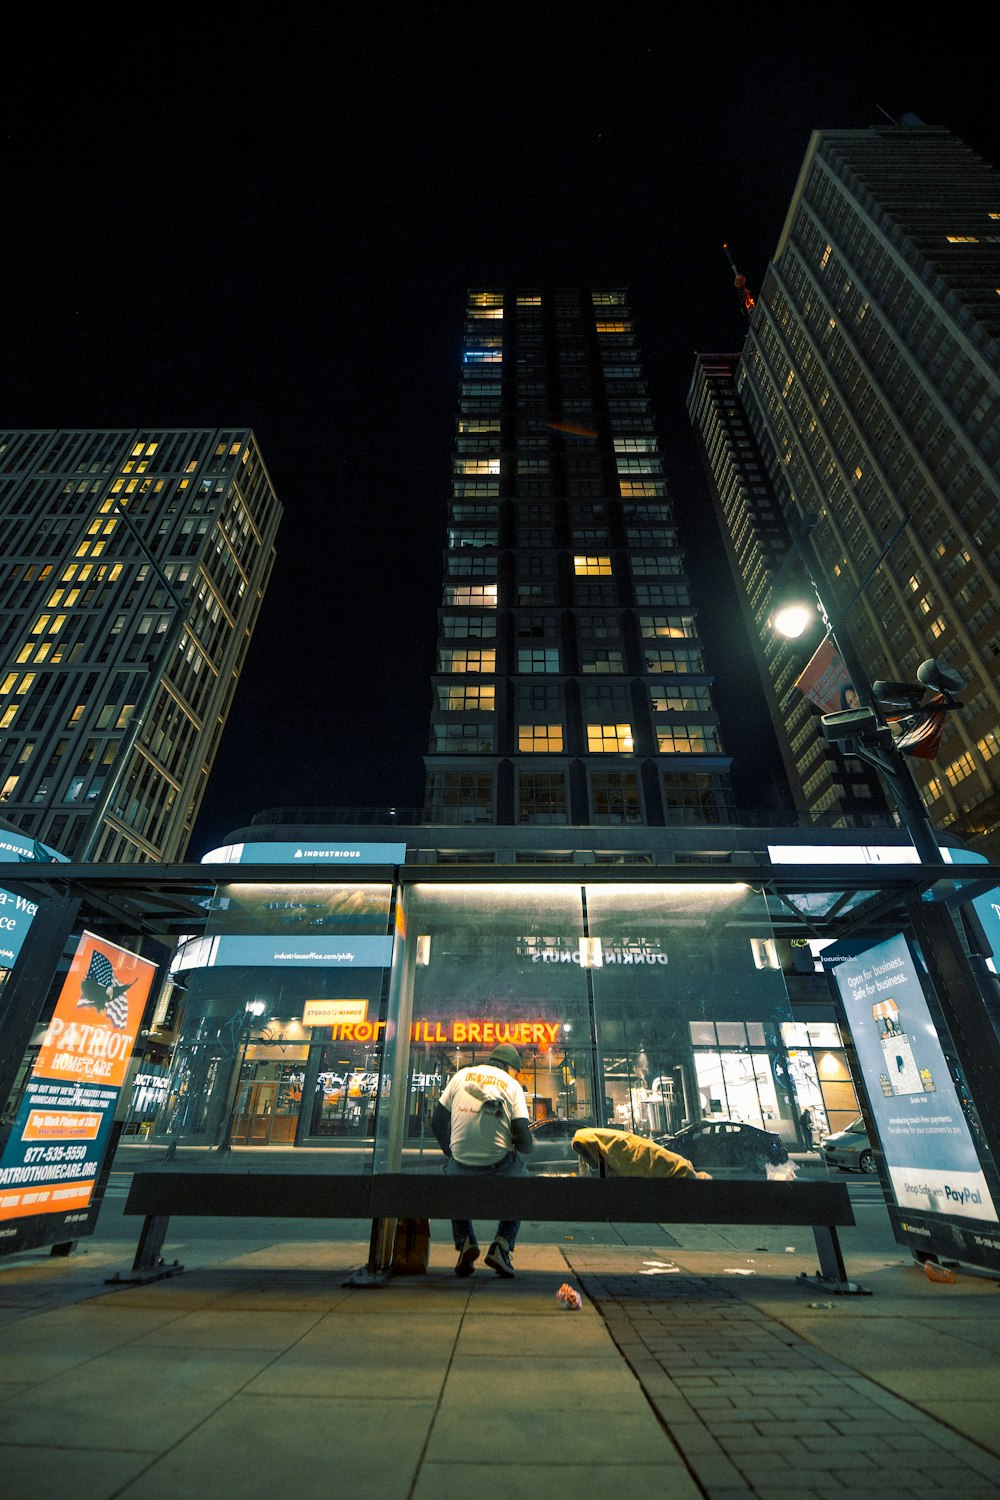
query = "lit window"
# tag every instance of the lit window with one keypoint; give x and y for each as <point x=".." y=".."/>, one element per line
<point x="671" y="627"/>
<point x="468" y="696"/>
<point x="962" y="239"/>
<point x="542" y="738"/>
<point x="824" y="258"/>
<point x="467" y="661"/>
<point x="474" y="595"/>
<point x="477" y="466"/>
<point x="609" y="738"/>
<point x="635" y="489"/>
<point x="686" y="739"/>
<point x="960" y="769"/>
<point x="586" y="566"/>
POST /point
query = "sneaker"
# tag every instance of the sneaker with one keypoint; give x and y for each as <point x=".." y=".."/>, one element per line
<point x="498" y="1258"/>
<point x="467" y="1257"/>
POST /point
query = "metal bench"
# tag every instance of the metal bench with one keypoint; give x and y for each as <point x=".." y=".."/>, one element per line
<point x="385" y="1198"/>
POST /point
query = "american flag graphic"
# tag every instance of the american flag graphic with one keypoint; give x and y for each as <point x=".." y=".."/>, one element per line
<point x="101" y="991"/>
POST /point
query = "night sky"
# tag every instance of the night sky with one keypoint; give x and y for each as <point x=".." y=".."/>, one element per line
<point x="273" y="223"/>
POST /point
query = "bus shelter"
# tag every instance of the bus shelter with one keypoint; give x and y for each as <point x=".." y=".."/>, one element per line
<point x="324" y="1010"/>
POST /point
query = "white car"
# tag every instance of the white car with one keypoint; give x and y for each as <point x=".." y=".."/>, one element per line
<point x="850" y="1150"/>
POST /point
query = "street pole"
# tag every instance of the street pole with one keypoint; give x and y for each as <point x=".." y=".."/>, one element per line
<point x="878" y="749"/>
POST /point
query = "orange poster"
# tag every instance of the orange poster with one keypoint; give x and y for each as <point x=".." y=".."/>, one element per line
<point x="97" y="1016"/>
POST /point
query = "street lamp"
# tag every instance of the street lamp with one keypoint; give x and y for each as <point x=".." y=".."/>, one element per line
<point x="859" y="728"/>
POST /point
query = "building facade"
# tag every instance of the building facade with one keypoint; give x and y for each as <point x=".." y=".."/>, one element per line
<point x="134" y="566"/>
<point x="870" y="381"/>
<point x="571" y="686"/>
<point x="828" y="787"/>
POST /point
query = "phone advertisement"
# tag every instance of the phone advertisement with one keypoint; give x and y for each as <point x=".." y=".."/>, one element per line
<point x="929" y="1153"/>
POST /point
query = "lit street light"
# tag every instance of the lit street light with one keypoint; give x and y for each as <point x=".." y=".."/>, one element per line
<point x="859" y="729"/>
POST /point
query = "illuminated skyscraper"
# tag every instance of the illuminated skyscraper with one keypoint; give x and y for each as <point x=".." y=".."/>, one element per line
<point x="121" y="641"/>
<point x="870" y="387"/>
<point x="571" y="687"/>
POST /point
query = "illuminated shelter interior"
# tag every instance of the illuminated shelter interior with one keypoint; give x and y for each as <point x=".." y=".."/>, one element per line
<point x="644" y="996"/>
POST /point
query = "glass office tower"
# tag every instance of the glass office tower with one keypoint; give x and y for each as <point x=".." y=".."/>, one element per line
<point x="870" y="380"/>
<point x="133" y="568"/>
<point x="571" y="687"/>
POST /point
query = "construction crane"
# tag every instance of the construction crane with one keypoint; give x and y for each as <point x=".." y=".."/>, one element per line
<point x="740" y="283"/>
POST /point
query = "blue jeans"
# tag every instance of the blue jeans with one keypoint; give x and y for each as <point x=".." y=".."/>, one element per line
<point x="507" y="1229"/>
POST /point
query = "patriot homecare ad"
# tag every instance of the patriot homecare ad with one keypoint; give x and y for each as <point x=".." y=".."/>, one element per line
<point x="57" y="1143"/>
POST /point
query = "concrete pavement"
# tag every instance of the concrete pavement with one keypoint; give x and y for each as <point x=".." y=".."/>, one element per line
<point x="697" y="1365"/>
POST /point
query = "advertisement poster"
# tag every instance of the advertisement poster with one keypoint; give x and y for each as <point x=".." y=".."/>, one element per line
<point x="16" y="913"/>
<point x="826" y="681"/>
<point x="928" y="1148"/>
<point x="59" y="1137"/>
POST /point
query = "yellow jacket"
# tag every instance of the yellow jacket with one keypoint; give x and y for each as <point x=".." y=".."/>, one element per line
<point x="626" y="1155"/>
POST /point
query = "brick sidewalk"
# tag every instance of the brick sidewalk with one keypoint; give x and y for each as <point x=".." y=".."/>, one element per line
<point x="758" y="1411"/>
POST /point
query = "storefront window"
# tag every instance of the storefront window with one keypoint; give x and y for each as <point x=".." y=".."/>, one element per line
<point x="497" y="963"/>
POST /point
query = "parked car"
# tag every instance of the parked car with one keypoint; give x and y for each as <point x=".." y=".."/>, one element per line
<point x="849" y="1150"/>
<point x="553" y="1149"/>
<point x="713" y="1144"/>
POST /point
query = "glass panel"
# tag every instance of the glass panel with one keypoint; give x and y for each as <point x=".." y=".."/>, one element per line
<point x="285" y="987"/>
<point x="491" y="964"/>
<point x="689" y="1027"/>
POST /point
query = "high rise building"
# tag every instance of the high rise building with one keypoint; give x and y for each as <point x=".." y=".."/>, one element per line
<point x="835" y="789"/>
<point x="134" y="565"/>
<point x="870" y="384"/>
<point x="571" y="686"/>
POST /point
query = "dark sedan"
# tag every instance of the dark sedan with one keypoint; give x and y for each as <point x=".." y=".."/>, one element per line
<point x="711" y="1145"/>
<point x="553" y="1148"/>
